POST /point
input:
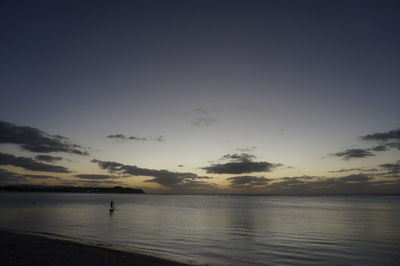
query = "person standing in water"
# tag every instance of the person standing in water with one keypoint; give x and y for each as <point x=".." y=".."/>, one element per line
<point x="111" y="206"/>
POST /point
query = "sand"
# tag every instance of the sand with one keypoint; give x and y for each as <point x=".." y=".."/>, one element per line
<point x="22" y="249"/>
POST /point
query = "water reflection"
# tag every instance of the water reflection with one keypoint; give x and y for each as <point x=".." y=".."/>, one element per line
<point x="220" y="229"/>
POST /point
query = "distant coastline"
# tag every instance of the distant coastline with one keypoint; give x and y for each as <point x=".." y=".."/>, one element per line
<point x="31" y="188"/>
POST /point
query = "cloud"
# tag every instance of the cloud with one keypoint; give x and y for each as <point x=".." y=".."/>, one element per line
<point x="30" y="164"/>
<point x="248" y="181"/>
<point x="180" y="165"/>
<point x="243" y="157"/>
<point x="323" y="181"/>
<point x="122" y="137"/>
<point x="354" y="153"/>
<point x="35" y="140"/>
<point x="201" y="111"/>
<point x="394" y="145"/>
<point x="203" y="121"/>
<point x="383" y="136"/>
<point x="349" y="184"/>
<point x="240" y="164"/>
<point x="86" y="183"/>
<point x="95" y="176"/>
<point x="240" y="167"/>
<point x="392" y="168"/>
<point x="352" y="169"/>
<point x="7" y="177"/>
<point x="380" y="148"/>
<point x="95" y="182"/>
<point x="314" y="185"/>
<point x="389" y="140"/>
<point x="353" y="178"/>
<point x="42" y="177"/>
<point x="48" y="158"/>
<point x="163" y="177"/>
<point x="117" y="136"/>
<point x="247" y="149"/>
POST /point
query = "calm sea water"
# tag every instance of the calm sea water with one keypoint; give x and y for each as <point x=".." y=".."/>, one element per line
<point x="219" y="230"/>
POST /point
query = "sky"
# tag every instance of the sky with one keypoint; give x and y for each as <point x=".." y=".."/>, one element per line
<point x="201" y="97"/>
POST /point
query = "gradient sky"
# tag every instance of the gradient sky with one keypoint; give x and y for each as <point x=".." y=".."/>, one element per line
<point x="285" y="90"/>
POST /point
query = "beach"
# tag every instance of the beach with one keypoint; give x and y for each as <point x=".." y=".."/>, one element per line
<point x="22" y="249"/>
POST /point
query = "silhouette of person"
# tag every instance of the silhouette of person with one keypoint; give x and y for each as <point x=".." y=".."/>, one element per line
<point x="111" y="206"/>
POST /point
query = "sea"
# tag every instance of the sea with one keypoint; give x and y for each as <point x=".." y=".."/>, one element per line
<point x="218" y="230"/>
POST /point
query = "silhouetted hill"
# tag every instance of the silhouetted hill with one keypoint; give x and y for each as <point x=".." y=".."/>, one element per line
<point x="31" y="188"/>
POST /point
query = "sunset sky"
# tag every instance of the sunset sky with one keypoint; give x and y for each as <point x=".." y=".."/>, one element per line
<point x="251" y="97"/>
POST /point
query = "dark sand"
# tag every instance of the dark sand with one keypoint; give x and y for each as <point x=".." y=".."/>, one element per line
<point x="20" y="249"/>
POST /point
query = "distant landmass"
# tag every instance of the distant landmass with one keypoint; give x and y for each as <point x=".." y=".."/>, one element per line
<point x="31" y="188"/>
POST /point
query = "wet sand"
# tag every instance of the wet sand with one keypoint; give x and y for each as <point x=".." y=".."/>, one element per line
<point x="21" y="249"/>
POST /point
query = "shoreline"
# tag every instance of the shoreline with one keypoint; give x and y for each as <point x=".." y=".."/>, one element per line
<point x="24" y="249"/>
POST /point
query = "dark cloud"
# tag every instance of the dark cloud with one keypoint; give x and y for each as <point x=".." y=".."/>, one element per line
<point x="383" y="136"/>
<point x="314" y="185"/>
<point x="117" y="136"/>
<point x="203" y="121"/>
<point x="354" y="153"/>
<point x="353" y="178"/>
<point x="389" y="140"/>
<point x="89" y="183"/>
<point x="42" y="177"/>
<point x="249" y="181"/>
<point x="394" y="145"/>
<point x="392" y="168"/>
<point x="180" y="165"/>
<point x="162" y="177"/>
<point x="352" y="169"/>
<point x="240" y="167"/>
<point x="7" y="177"/>
<point x="35" y="140"/>
<point x="349" y="184"/>
<point x="240" y="164"/>
<point x="95" y="176"/>
<point x="95" y="182"/>
<point x="48" y="158"/>
<point x="138" y="138"/>
<point x="380" y="148"/>
<point x="121" y="137"/>
<point x="30" y="164"/>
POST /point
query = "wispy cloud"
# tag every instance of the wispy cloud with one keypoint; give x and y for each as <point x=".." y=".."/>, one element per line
<point x="96" y="176"/>
<point x="248" y="181"/>
<point x="247" y="149"/>
<point x="122" y="137"/>
<point x="352" y="169"/>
